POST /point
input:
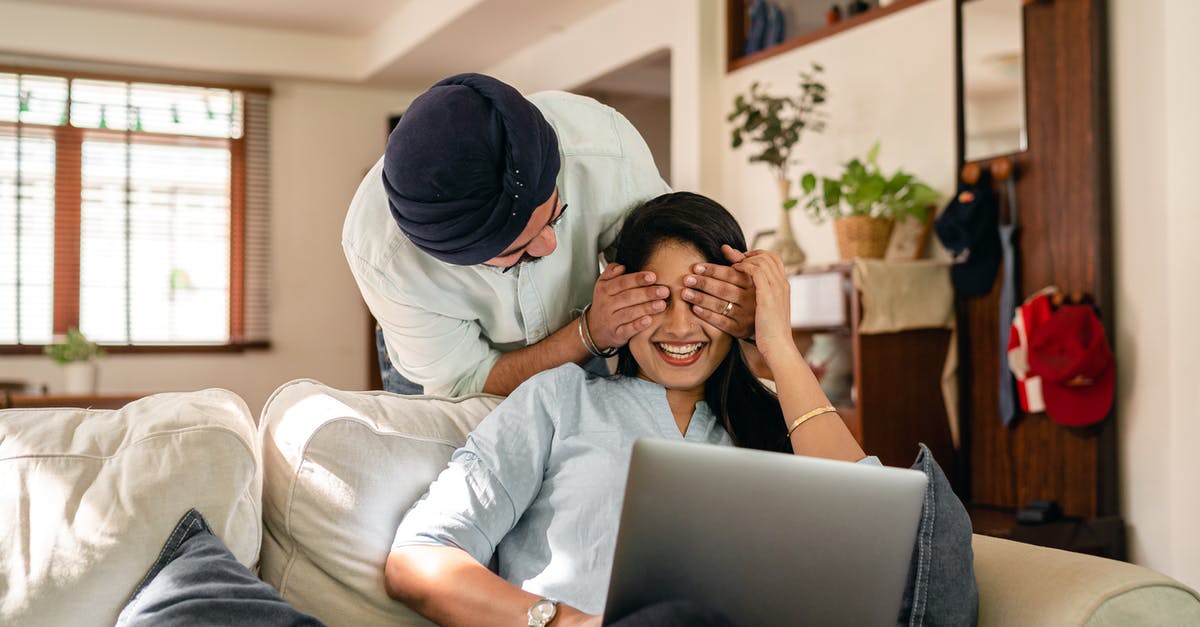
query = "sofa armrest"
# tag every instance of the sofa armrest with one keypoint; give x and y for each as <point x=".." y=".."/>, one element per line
<point x="1024" y="584"/>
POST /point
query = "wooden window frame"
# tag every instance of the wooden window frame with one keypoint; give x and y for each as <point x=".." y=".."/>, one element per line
<point x="67" y="216"/>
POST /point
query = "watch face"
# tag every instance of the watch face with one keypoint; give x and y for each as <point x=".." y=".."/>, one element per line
<point x="543" y="611"/>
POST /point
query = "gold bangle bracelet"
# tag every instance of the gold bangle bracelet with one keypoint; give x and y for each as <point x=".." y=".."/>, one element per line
<point x="812" y="414"/>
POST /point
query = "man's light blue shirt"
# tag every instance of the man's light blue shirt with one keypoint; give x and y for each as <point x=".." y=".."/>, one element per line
<point x="446" y="325"/>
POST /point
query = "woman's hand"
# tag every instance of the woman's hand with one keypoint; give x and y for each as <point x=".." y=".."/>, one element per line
<point x="773" y="317"/>
<point x="722" y="296"/>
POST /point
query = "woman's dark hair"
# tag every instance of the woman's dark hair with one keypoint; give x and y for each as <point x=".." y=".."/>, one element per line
<point x="749" y="411"/>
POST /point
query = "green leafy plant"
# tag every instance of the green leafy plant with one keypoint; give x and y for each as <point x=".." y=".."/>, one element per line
<point x="864" y="190"/>
<point x="74" y="347"/>
<point x="775" y="124"/>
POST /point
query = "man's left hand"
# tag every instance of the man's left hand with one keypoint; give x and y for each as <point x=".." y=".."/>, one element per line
<point x="711" y="288"/>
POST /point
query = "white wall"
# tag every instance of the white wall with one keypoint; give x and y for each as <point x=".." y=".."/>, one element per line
<point x="323" y="139"/>
<point x="651" y="116"/>
<point x="1183" y="268"/>
<point x="1155" y="94"/>
<point x="891" y="79"/>
<point x="622" y="33"/>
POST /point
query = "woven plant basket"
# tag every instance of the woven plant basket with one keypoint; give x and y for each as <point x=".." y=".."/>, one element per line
<point x="862" y="237"/>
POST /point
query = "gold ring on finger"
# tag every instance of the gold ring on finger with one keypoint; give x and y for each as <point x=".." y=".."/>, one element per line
<point x="728" y="308"/>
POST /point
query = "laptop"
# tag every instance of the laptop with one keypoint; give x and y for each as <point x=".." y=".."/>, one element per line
<point x="765" y="538"/>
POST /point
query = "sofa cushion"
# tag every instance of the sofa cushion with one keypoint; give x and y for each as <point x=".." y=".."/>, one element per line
<point x="341" y="469"/>
<point x="90" y="497"/>
<point x="1023" y="584"/>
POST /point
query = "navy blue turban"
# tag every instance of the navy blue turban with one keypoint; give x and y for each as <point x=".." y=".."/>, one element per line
<point x="466" y="166"/>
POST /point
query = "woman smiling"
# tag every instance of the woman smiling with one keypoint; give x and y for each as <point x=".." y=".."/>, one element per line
<point x="538" y="485"/>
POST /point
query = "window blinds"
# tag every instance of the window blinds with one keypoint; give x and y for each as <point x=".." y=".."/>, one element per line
<point x="135" y="211"/>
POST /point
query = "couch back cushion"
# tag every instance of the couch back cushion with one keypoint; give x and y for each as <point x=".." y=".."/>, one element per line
<point x="341" y="469"/>
<point x="89" y="497"/>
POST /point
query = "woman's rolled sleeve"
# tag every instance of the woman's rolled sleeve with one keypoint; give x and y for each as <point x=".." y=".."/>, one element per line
<point x="491" y="480"/>
<point x="466" y="507"/>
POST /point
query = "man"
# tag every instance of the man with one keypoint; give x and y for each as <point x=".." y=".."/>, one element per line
<point x="462" y="243"/>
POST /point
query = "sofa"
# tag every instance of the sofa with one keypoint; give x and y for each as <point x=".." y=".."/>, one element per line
<point x="310" y="494"/>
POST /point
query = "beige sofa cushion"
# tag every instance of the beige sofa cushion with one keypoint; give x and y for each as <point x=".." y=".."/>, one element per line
<point x="1032" y="586"/>
<point x="341" y="469"/>
<point x="89" y="496"/>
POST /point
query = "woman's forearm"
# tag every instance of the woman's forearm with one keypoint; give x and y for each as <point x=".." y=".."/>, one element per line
<point x="824" y="435"/>
<point x="447" y="586"/>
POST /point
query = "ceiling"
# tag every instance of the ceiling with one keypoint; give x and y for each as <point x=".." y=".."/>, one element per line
<point x="344" y="17"/>
<point x="410" y="42"/>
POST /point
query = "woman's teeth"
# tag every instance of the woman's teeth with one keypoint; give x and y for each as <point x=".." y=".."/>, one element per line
<point x="680" y="351"/>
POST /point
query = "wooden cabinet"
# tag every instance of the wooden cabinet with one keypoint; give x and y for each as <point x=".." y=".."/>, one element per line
<point x="895" y="398"/>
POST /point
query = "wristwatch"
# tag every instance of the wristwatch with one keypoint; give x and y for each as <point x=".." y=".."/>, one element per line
<point x="542" y="612"/>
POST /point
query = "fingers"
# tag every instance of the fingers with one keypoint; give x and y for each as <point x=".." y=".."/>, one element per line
<point x="732" y="254"/>
<point x="623" y="332"/>
<point x="637" y="301"/>
<point x="772" y="298"/>
<point x="713" y="287"/>
<point x="614" y="280"/>
<point x="720" y="281"/>
<point x="713" y="303"/>
<point x="611" y="271"/>
<point x="761" y="263"/>
<point x="727" y="324"/>
<point x="622" y="305"/>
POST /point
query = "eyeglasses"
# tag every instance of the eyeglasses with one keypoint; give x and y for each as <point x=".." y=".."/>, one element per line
<point x="528" y="258"/>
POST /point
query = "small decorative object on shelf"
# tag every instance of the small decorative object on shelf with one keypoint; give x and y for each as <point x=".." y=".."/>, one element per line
<point x="766" y="26"/>
<point x="756" y="31"/>
<point x="864" y="203"/>
<point x="77" y="355"/>
<point x="775" y="124"/>
<point x="833" y="15"/>
<point x="854" y="7"/>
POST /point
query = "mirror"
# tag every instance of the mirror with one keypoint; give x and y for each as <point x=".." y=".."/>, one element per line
<point x="993" y="67"/>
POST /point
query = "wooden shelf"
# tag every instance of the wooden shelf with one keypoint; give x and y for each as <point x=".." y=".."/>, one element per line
<point x="106" y="401"/>
<point x="736" y="37"/>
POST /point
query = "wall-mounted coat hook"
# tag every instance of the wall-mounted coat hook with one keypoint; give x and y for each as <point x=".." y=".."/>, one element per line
<point x="1074" y="297"/>
<point x="1001" y="168"/>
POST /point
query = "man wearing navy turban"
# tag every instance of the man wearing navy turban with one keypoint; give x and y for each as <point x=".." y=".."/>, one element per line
<point x="474" y="188"/>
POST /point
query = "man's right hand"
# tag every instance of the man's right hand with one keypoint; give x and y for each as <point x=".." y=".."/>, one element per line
<point x="622" y="305"/>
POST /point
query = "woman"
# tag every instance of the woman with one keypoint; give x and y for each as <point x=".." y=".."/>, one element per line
<point x="539" y="483"/>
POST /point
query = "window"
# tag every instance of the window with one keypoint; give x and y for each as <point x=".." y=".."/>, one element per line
<point x="136" y="211"/>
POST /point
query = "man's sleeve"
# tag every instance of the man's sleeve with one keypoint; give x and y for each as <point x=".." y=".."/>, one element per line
<point x="491" y="480"/>
<point x="642" y="180"/>
<point x="445" y="355"/>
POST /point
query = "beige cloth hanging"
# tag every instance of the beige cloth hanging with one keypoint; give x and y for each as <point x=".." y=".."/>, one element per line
<point x="902" y="295"/>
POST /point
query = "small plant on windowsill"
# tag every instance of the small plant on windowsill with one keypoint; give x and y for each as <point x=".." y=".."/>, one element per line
<point x="77" y="355"/>
<point x="73" y="347"/>
<point x="864" y="203"/>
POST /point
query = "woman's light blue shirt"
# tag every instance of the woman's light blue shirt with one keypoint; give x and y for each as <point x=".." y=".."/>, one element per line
<point x="540" y="481"/>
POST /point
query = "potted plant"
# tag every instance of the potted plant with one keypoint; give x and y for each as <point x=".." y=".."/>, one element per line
<point x="76" y="354"/>
<point x="774" y="125"/>
<point x="864" y="203"/>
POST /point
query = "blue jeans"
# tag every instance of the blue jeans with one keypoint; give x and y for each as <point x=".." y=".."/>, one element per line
<point x="941" y="586"/>
<point x="197" y="581"/>
<point x="392" y="380"/>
